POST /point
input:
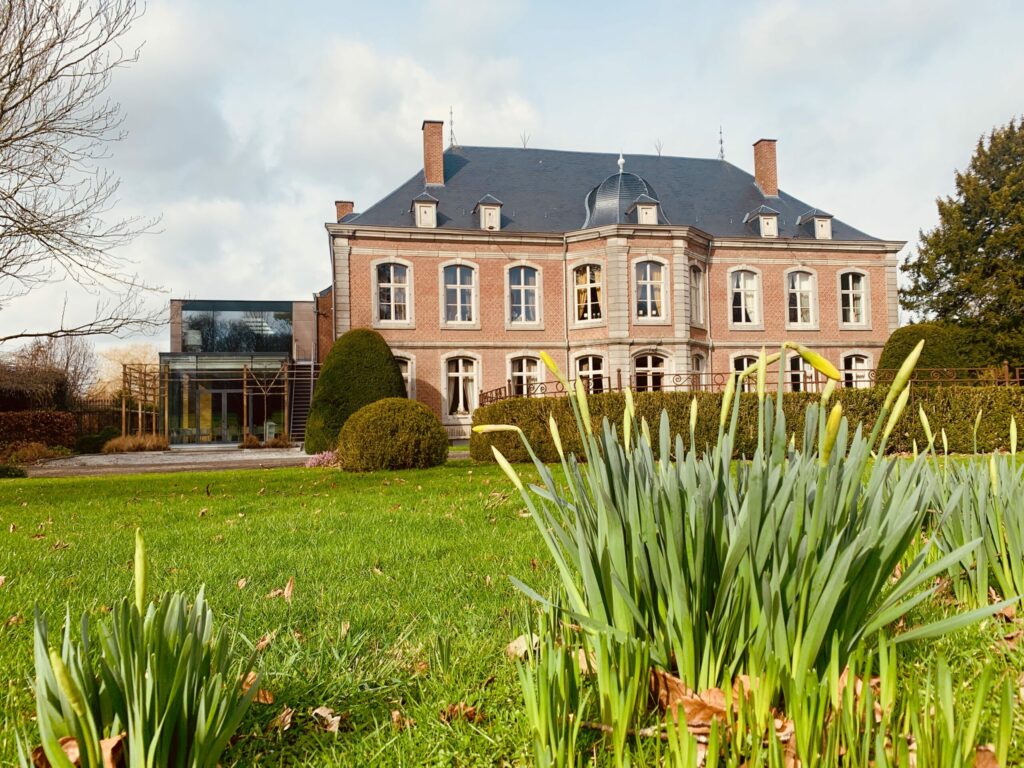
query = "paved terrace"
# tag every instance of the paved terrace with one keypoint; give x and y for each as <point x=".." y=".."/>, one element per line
<point x="175" y="460"/>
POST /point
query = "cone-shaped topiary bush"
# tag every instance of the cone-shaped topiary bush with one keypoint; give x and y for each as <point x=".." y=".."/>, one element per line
<point x="946" y="346"/>
<point x="392" y="434"/>
<point x="359" y="370"/>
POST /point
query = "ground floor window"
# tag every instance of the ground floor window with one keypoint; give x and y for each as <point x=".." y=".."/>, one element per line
<point x="856" y="371"/>
<point x="698" y="365"/>
<point x="649" y="372"/>
<point x="462" y="388"/>
<point x="740" y="363"/>
<point x="524" y="375"/>
<point x="405" y="366"/>
<point x="590" y="368"/>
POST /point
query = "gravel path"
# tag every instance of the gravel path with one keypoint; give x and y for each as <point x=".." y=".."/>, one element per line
<point x="176" y="460"/>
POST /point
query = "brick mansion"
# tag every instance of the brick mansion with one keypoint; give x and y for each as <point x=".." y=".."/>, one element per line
<point x="638" y="269"/>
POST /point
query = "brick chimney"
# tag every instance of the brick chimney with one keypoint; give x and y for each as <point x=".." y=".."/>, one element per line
<point x="766" y="171"/>
<point x="433" y="152"/>
<point x="343" y="208"/>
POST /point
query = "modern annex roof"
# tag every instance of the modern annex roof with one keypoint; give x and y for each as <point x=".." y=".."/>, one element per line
<point x="546" y="190"/>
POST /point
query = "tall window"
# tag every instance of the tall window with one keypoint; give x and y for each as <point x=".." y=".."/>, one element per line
<point x="740" y="364"/>
<point x="524" y="375"/>
<point x="458" y="293"/>
<point x="851" y="297"/>
<point x="461" y="386"/>
<point x="799" y="374"/>
<point x="745" y="310"/>
<point x="590" y="368"/>
<point x="588" y="292"/>
<point x="392" y="292"/>
<point x="696" y="295"/>
<point x="800" y="293"/>
<point x="405" y="366"/>
<point x="650" y="370"/>
<point x="522" y="286"/>
<point x="697" y="367"/>
<point x="856" y="371"/>
<point x="649" y="289"/>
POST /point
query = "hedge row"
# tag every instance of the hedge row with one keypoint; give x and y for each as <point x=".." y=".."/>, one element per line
<point x="47" y="427"/>
<point x="951" y="408"/>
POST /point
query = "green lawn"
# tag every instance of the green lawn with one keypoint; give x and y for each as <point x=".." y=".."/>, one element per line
<point x="414" y="564"/>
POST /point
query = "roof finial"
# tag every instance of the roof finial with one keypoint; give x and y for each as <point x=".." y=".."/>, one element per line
<point x="622" y="162"/>
<point x="721" y="145"/>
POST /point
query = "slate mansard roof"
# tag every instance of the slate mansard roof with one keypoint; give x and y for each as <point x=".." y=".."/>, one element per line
<point x="547" y="191"/>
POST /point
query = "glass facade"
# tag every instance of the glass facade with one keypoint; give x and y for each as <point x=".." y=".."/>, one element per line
<point x="240" y="327"/>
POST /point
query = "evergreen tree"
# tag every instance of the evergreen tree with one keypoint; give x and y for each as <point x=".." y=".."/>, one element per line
<point x="969" y="269"/>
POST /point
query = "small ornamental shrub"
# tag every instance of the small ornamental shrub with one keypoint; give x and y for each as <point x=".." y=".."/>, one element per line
<point x="394" y="433"/>
<point x="136" y="443"/>
<point x="47" y="427"/>
<point x="281" y="441"/>
<point x="157" y="685"/>
<point x="30" y="453"/>
<point x="94" y="443"/>
<point x="250" y="442"/>
<point x="359" y="370"/>
<point x="945" y="346"/>
<point x="7" y="472"/>
<point x="325" y="459"/>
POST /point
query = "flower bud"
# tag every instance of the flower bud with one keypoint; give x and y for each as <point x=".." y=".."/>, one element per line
<point x="507" y="468"/>
<point x="67" y="685"/>
<point x="1013" y="436"/>
<point x="903" y="374"/>
<point x="693" y="416"/>
<point x="926" y="424"/>
<point x="835" y="419"/>
<point x="897" y="411"/>
<point x="727" y="395"/>
<point x="762" y="375"/>
<point x="581" y="400"/>
<point x="816" y="361"/>
<point x="553" y="367"/>
<point x="556" y="438"/>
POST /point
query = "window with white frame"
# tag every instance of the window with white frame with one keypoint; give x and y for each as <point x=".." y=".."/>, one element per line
<point x="649" y="290"/>
<point x="459" y="283"/>
<point x="392" y="292"/>
<point x="525" y="375"/>
<point x="852" y="298"/>
<point x="696" y="295"/>
<point x="587" y="279"/>
<point x="461" y="373"/>
<point x="590" y="368"/>
<point x="799" y="374"/>
<point x="745" y="297"/>
<point x="405" y="366"/>
<point x="697" y="367"/>
<point x="740" y="363"/>
<point x="522" y="289"/>
<point x="856" y="371"/>
<point x="800" y="297"/>
<point x="648" y="372"/>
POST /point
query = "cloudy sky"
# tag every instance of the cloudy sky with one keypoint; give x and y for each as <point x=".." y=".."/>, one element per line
<point x="248" y="119"/>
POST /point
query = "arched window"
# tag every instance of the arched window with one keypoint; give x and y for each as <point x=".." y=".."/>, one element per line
<point x="852" y="298"/>
<point x="590" y="368"/>
<point x="649" y="370"/>
<point x="697" y="367"/>
<point x="405" y="366"/>
<point x="588" y="292"/>
<point x="522" y="299"/>
<point x="649" y="290"/>
<point x="740" y="364"/>
<point x="800" y="297"/>
<point x="746" y="299"/>
<point x="856" y="371"/>
<point x="392" y="292"/>
<point x="462" y="388"/>
<point x="459" y="287"/>
<point x="524" y="375"/>
<point x="696" y="295"/>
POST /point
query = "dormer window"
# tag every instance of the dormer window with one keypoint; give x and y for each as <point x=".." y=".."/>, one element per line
<point x="646" y="208"/>
<point x="821" y="223"/>
<point x="489" y="209"/>
<point x="767" y="220"/>
<point x="424" y="206"/>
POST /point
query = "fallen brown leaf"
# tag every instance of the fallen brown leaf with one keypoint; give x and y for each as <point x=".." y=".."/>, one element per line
<point x="289" y="590"/>
<point x="261" y="491"/>
<point x="461" y="711"/>
<point x="519" y="647"/>
<point x="60" y="544"/>
<point x="15" y="619"/>
<point x="377" y="571"/>
<point x="985" y="757"/>
<point x="241" y="583"/>
<point x="345" y="627"/>
<point x="283" y="720"/>
<point x="1013" y="638"/>
<point x="12" y="528"/>
<point x="3" y="580"/>
<point x="38" y="536"/>
<point x="266" y="640"/>
<point x="111" y="751"/>
<point x="400" y="722"/>
<point x="325" y="718"/>
<point x="203" y="511"/>
<point x="299" y="637"/>
<point x="587" y="662"/>
<point x="263" y="696"/>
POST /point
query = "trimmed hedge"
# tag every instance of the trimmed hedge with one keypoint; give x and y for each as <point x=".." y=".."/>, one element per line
<point x="949" y="407"/>
<point x="945" y="346"/>
<point x="359" y="370"/>
<point x="394" y="433"/>
<point x="94" y="443"/>
<point x="47" y="427"/>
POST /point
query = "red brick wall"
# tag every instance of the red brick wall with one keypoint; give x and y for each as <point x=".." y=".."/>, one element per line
<point x="766" y="171"/>
<point x="433" y="151"/>
<point x="324" y="325"/>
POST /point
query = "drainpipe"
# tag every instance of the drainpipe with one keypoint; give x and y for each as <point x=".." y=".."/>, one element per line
<point x="566" y="302"/>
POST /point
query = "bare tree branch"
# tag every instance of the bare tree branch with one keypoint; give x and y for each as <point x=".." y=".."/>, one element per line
<point x="57" y="58"/>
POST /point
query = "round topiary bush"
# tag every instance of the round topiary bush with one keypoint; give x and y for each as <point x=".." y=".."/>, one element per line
<point x="359" y="370"/>
<point x="945" y="346"/>
<point x="394" y="433"/>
